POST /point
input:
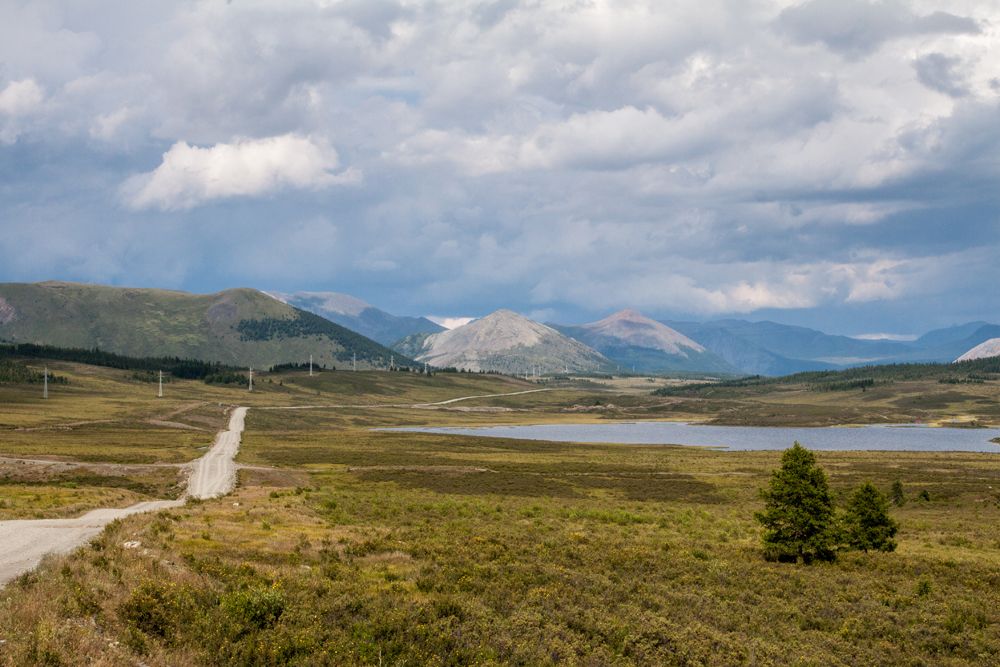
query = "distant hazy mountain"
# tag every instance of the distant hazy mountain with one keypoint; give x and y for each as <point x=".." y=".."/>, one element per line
<point x="769" y="348"/>
<point x="236" y="326"/>
<point x="949" y="335"/>
<point x="632" y="340"/>
<point x="744" y="355"/>
<point x="807" y="344"/>
<point x="985" y="350"/>
<point x="947" y="344"/>
<point x="356" y="315"/>
<point x="510" y="343"/>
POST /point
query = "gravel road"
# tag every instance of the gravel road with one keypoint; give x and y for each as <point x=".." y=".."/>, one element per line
<point x="23" y="543"/>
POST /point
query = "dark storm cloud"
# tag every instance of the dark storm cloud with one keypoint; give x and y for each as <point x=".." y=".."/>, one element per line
<point x="941" y="73"/>
<point x="858" y="27"/>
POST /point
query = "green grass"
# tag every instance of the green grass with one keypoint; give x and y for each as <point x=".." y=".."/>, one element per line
<point x="429" y="549"/>
<point x="365" y="547"/>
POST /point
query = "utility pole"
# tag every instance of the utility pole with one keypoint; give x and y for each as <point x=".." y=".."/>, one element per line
<point x="392" y="362"/>
<point x="251" y="378"/>
<point x="310" y="365"/>
<point x="425" y="368"/>
<point x="45" y="386"/>
<point x="355" y="362"/>
<point x="159" y="394"/>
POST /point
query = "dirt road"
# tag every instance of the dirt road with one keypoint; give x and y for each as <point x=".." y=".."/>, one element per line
<point x="469" y="398"/>
<point x="214" y="474"/>
<point x="341" y="406"/>
<point x="23" y="543"/>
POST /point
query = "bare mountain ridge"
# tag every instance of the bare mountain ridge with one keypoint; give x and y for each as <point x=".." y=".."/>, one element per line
<point x="985" y="350"/>
<point x="507" y="342"/>
<point x="636" y="329"/>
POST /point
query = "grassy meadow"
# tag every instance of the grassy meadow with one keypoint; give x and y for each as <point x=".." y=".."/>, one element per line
<point x="344" y="545"/>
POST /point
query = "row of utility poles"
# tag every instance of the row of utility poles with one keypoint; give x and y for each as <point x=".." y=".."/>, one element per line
<point x="159" y="391"/>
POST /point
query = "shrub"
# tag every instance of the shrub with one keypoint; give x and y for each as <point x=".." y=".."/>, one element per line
<point x="156" y="609"/>
<point x="254" y="608"/>
<point x="867" y="523"/>
<point x="896" y="494"/>
<point x="798" y="514"/>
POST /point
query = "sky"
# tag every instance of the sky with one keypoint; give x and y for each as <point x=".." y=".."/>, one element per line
<point x="830" y="163"/>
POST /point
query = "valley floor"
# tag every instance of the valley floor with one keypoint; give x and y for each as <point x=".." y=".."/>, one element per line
<point x="343" y="545"/>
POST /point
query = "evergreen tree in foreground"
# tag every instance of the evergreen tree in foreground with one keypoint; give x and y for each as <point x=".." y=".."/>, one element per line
<point x="867" y="523"/>
<point x="798" y="514"/>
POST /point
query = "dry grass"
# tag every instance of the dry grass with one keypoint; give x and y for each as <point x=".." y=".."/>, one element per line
<point x="352" y="546"/>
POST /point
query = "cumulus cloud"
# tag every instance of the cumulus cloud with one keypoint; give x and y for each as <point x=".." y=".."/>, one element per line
<point x="20" y="97"/>
<point x="697" y="156"/>
<point x="189" y="175"/>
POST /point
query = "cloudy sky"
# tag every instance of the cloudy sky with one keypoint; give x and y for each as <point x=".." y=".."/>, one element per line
<point x="834" y="163"/>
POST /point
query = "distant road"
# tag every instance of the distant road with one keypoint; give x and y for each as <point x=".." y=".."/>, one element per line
<point x="23" y="543"/>
<point x="399" y="405"/>
<point x="469" y="398"/>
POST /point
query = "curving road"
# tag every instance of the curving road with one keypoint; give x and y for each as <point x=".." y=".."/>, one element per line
<point x="23" y="543"/>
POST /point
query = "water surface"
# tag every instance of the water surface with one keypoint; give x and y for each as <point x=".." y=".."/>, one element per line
<point x="899" y="438"/>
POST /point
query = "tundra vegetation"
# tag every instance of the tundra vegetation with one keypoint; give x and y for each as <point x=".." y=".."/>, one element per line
<point x="344" y="545"/>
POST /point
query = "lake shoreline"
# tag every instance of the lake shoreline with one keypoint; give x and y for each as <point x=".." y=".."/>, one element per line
<point x="870" y="437"/>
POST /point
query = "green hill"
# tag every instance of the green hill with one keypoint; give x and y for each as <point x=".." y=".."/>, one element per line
<point x="240" y="327"/>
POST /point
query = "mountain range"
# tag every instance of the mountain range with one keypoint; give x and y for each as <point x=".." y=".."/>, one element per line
<point x="247" y="326"/>
<point x="240" y="327"/>
<point x="769" y="348"/>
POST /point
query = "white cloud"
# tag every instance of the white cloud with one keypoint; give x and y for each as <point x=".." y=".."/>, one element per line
<point x="702" y="156"/>
<point x="107" y="126"/>
<point x="20" y="97"/>
<point x="190" y="176"/>
<point x="19" y="100"/>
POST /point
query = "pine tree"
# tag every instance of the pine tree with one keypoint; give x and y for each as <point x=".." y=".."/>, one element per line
<point x="798" y="515"/>
<point x="867" y="523"/>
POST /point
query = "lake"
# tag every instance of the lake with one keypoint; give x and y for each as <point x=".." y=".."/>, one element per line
<point x="898" y="438"/>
